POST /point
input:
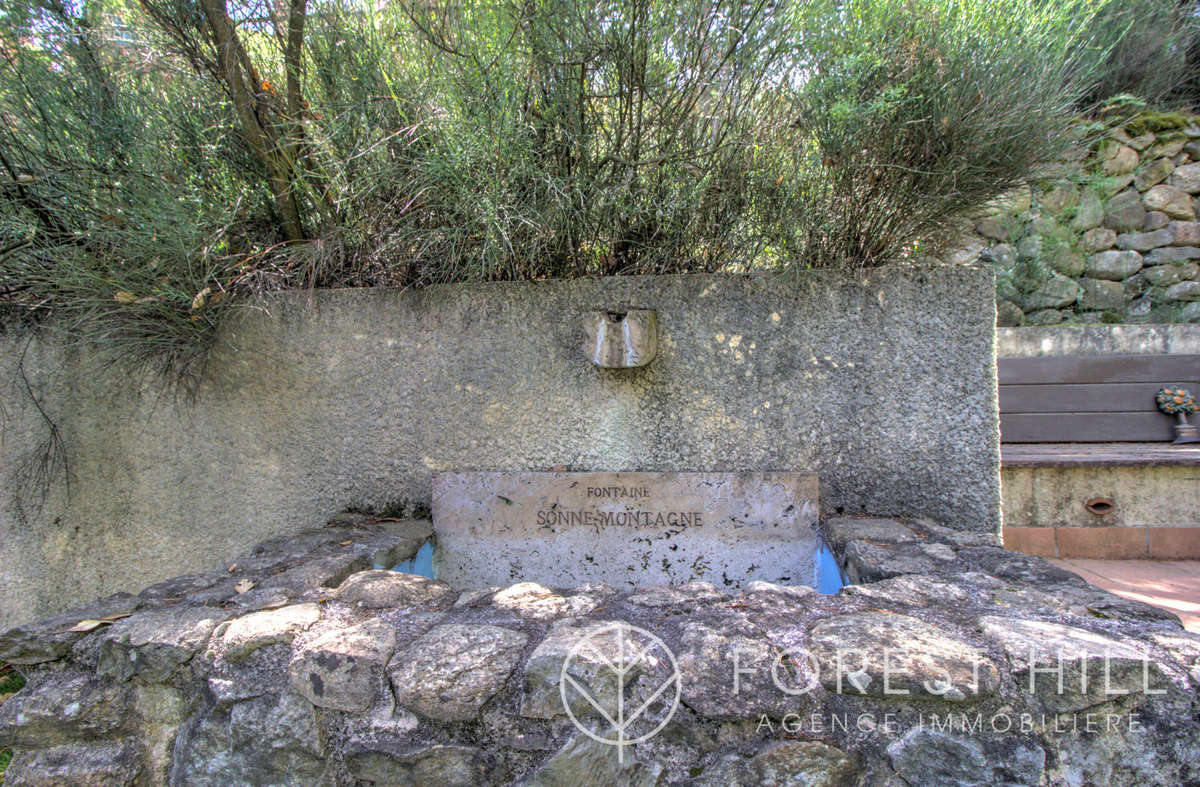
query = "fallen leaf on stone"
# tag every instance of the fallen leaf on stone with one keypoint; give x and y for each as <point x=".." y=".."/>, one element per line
<point x="231" y="568"/>
<point x="85" y="626"/>
<point x="115" y="616"/>
<point x="201" y="297"/>
<point x="347" y="543"/>
<point x="244" y="585"/>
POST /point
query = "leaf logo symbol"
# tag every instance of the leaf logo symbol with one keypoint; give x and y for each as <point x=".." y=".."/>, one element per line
<point x="621" y="655"/>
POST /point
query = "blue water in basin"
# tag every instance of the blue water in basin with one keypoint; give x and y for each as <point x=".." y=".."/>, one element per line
<point x="828" y="577"/>
<point x="827" y="573"/>
<point x="421" y="563"/>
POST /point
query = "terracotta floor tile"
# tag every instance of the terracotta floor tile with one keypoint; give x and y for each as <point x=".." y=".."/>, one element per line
<point x="1173" y="585"/>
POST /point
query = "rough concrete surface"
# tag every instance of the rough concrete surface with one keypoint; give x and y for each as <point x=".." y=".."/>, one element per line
<point x="1098" y="340"/>
<point x="1056" y="497"/>
<point x="882" y="382"/>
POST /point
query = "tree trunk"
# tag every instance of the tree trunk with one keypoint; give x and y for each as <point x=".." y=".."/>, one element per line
<point x="233" y="63"/>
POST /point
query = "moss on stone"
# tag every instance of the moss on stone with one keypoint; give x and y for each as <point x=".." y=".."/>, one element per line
<point x="1157" y="122"/>
<point x="10" y="680"/>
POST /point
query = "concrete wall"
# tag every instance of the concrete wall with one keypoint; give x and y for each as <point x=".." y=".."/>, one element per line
<point x="1162" y="496"/>
<point x="881" y="381"/>
<point x="1156" y="512"/>
<point x="1098" y="340"/>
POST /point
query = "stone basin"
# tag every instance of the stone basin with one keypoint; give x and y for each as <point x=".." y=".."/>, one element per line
<point x="303" y="664"/>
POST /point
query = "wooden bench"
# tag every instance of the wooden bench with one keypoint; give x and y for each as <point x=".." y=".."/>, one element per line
<point x="1090" y="399"/>
<point x="1089" y="470"/>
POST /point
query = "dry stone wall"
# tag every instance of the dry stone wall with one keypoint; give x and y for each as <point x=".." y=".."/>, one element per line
<point x="1110" y="236"/>
<point x="301" y="665"/>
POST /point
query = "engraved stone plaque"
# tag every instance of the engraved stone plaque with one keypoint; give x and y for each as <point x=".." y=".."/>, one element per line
<point x="626" y="529"/>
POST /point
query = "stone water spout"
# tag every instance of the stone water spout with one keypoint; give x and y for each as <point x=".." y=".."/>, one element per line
<point x="621" y="339"/>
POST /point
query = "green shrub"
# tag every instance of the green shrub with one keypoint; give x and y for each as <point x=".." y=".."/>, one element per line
<point x="914" y="115"/>
<point x="124" y="187"/>
<point x="579" y="138"/>
<point x="151" y="180"/>
<point x="1145" y="48"/>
